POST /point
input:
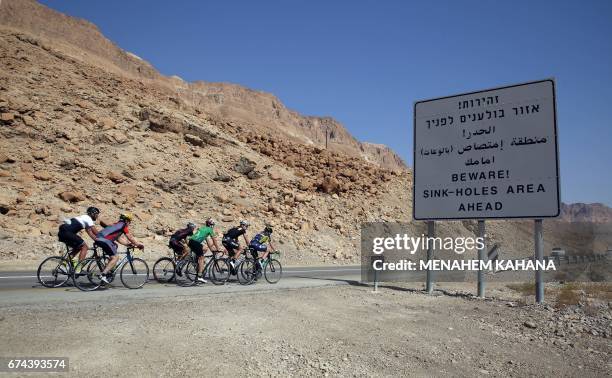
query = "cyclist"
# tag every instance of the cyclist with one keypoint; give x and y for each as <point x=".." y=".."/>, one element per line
<point x="69" y="230"/>
<point x="204" y="233"/>
<point x="231" y="243"/>
<point x="178" y="240"/>
<point x="108" y="237"/>
<point x="258" y="244"/>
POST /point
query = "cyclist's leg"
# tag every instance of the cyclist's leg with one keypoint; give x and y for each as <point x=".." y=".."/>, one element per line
<point x="179" y="249"/>
<point x="258" y="247"/>
<point x="185" y="251"/>
<point x="83" y="251"/>
<point x="198" y="249"/>
<point x="109" y="249"/>
<point x="73" y="241"/>
<point x="238" y="250"/>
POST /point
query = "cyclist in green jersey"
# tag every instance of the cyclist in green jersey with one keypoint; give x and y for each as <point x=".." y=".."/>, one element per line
<point x="196" y="243"/>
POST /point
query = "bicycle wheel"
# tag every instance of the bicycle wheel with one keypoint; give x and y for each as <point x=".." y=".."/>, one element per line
<point x="164" y="270"/>
<point x="134" y="274"/>
<point x="187" y="274"/>
<point x="273" y="271"/>
<point x="219" y="271"/>
<point x="85" y="275"/>
<point x="54" y="271"/>
<point x="246" y="271"/>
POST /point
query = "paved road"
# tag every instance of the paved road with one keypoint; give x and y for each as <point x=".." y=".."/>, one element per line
<point x="19" y="288"/>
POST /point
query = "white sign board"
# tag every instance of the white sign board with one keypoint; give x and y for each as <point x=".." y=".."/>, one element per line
<point x="487" y="154"/>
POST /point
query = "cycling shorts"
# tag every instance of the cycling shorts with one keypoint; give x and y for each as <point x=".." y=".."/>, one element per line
<point x="196" y="247"/>
<point x="176" y="246"/>
<point x="71" y="239"/>
<point x="109" y="247"/>
<point x="231" y="245"/>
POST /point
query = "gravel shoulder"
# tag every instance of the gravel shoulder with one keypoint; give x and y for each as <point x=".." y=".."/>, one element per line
<point x="338" y="331"/>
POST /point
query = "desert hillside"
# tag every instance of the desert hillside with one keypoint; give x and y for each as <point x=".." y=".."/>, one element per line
<point x="86" y="123"/>
<point x="586" y="212"/>
<point x="261" y="111"/>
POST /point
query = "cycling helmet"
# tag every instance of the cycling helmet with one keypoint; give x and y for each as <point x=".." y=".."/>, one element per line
<point x="210" y="222"/>
<point x="93" y="211"/>
<point x="191" y="226"/>
<point x="268" y="230"/>
<point x="244" y="223"/>
<point x="126" y="217"/>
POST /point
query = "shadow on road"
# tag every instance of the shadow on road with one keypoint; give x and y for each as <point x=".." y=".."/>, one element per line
<point x="362" y="284"/>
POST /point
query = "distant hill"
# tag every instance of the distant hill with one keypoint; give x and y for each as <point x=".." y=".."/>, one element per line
<point x="586" y="212"/>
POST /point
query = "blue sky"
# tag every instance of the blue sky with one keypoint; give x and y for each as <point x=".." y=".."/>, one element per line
<point x="366" y="62"/>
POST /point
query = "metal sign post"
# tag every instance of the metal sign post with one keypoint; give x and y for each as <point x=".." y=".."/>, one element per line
<point x="375" y="280"/>
<point x="376" y="258"/>
<point x="481" y="257"/>
<point x="431" y="233"/>
<point x="539" y="257"/>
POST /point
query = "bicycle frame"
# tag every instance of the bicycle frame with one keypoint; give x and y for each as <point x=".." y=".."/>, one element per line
<point x="125" y="259"/>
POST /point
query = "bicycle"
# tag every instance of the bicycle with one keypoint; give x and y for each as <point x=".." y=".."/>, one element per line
<point x="216" y="268"/>
<point x="133" y="271"/>
<point x="55" y="271"/>
<point x="251" y="268"/>
<point x="166" y="268"/>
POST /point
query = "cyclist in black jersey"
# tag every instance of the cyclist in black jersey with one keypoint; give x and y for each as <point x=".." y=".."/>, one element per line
<point x="69" y="230"/>
<point x="179" y="238"/>
<point x="231" y="243"/>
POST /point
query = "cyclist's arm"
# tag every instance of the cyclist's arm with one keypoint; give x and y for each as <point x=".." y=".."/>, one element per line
<point x="209" y="244"/>
<point x="215" y="243"/>
<point x="272" y="247"/>
<point x="133" y="241"/>
<point x="91" y="231"/>
<point x="246" y="241"/>
<point x="123" y="241"/>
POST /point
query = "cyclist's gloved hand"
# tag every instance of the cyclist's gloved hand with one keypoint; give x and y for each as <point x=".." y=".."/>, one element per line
<point x="140" y="246"/>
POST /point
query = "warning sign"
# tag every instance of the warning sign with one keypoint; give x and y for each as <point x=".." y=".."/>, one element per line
<point x="487" y="154"/>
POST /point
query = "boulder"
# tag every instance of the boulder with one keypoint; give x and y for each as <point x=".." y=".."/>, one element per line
<point x="7" y="118"/>
<point x="254" y="175"/>
<point x="329" y="185"/>
<point x="68" y="164"/>
<point x="194" y="140"/>
<point x="40" y="154"/>
<point x="72" y="197"/>
<point x="222" y="177"/>
<point x="222" y="198"/>
<point x="116" y="136"/>
<point x="6" y="204"/>
<point x="300" y="197"/>
<point x="305" y="184"/>
<point x="107" y="123"/>
<point x="115" y="177"/>
<point x="27" y="120"/>
<point x="244" y="166"/>
<point x="42" y="176"/>
<point x="274" y="175"/>
<point x="128" y="190"/>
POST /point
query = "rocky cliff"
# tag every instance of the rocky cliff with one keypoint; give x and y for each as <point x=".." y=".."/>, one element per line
<point x="262" y="111"/>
